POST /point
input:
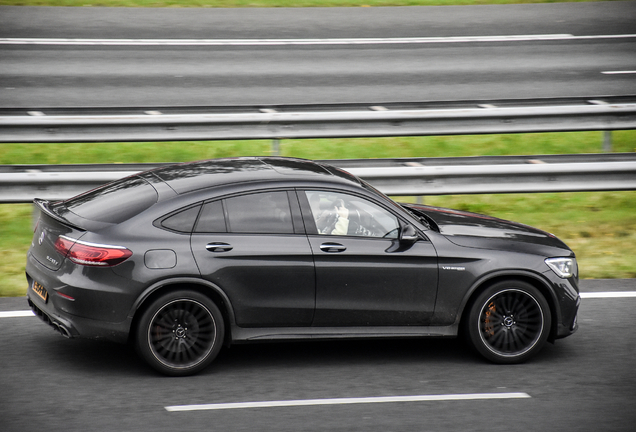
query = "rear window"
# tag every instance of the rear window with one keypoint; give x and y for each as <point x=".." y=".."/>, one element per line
<point x="114" y="202"/>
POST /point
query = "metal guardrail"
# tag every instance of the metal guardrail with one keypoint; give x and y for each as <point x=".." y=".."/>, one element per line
<point x="397" y="177"/>
<point x="317" y="121"/>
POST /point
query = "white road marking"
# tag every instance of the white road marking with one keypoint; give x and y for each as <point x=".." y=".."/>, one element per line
<point x="16" y="314"/>
<point x="346" y="401"/>
<point x="596" y="295"/>
<point x="327" y="41"/>
<point x="612" y="294"/>
<point x="618" y="72"/>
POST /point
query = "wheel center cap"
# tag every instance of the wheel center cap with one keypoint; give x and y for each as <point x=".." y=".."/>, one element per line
<point x="508" y="321"/>
<point x="180" y="332"/>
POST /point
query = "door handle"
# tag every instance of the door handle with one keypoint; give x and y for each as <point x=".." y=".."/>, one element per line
<point x="218" y="247"/>
<point x="332" y="247"/>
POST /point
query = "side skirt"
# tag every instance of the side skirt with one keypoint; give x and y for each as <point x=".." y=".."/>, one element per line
<point x="240" y="334"/>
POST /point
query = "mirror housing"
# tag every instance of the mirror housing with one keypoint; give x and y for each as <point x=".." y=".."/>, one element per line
<point x="408" y="234"/>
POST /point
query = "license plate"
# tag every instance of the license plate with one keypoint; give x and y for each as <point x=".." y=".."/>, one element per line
<point x="41" y="291"/>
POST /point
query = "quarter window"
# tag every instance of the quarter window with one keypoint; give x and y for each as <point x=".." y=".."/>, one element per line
<point x="182" y="221"/>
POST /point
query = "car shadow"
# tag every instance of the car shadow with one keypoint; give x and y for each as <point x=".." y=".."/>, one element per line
<point x="340" y="352"/>
<point x="88" y="356"/>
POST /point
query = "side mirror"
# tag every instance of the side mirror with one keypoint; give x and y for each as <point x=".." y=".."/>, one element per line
<point x="408" y="234"/>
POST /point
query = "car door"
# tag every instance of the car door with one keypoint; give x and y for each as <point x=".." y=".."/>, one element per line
<point x="253" y="247"/>
<point x="364" y="275"/>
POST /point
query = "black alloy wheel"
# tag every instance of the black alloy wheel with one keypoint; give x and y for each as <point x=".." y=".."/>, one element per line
<point x="180" y="333"/>
<point x="509" y="322"/>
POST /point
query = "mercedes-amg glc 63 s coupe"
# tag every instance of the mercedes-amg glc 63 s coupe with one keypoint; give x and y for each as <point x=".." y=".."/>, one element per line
<point x="186" y="258"/>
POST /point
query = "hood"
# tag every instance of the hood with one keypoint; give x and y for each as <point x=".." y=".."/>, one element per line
<point x="476" y="230"/>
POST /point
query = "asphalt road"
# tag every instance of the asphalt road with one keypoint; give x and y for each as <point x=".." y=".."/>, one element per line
<point x="231" y="74"/>
<point x="586" y="382"/>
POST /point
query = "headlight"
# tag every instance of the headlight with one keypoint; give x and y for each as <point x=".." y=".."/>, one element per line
<point x="563" y="267"/>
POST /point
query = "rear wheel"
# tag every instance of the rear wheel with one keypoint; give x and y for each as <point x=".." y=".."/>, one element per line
<point x="509" y="322"/>
<point x="180" y="333"/>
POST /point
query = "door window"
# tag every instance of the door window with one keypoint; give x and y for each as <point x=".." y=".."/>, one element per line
<point x="337" y="213"/>
<point x="258" y="213"/>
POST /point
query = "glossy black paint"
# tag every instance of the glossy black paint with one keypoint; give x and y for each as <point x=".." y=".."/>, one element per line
<point x="283" y="279"/>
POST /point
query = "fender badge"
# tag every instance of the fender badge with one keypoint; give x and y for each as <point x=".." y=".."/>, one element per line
<point x="453" y="268"/>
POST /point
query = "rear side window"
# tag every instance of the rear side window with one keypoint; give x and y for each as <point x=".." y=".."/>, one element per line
<point x="114" y="202"/>
<point x="257" y="213"/>
<point x="266" y="213"/>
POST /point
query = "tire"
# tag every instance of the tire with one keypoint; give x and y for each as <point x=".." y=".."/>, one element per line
<point x="509" y="322"/>
<point x="180" y="333"/>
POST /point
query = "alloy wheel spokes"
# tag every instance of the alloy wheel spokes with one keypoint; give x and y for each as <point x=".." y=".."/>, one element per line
<point x="182" y="333"/>
<point x="511" y="322"/>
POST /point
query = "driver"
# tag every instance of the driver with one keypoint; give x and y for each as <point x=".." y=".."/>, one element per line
<point x="332" y="221"/>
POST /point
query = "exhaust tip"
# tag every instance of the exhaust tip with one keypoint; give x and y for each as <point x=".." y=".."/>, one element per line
<point x="64" y="331"/>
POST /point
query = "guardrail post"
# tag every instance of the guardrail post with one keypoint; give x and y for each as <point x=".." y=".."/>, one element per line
<point x="275" y="147"/>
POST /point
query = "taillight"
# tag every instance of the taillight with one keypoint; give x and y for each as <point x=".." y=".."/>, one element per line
<point x="91" y="254"/>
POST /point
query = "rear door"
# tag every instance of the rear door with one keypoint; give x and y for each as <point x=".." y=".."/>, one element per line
<point x="253" y="247"/>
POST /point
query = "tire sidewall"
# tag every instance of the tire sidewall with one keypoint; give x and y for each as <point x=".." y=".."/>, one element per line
<point x="142" y="342"/>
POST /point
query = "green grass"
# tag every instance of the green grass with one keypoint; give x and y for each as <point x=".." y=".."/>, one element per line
<point x="265" y="3"/>
<point x="600" y="226"/>
<point x="350" y="148"/>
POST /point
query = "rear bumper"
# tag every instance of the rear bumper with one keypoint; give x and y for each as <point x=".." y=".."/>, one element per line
<point x="72" y="326"/>
<point x="73" y="296"/>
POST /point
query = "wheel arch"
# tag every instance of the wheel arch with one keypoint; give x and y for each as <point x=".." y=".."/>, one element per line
<point x="208" y="289"/>
<point x="528" y="277"/>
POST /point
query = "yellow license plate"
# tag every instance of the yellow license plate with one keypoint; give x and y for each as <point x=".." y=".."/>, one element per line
<point x="41" y="291"/>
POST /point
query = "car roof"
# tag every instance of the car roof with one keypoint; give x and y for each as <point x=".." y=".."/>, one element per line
<point x="191" y="176"/>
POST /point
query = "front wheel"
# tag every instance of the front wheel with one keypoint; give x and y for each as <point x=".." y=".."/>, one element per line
<point x="509" y="322"/>
<point x="180" y="333"/>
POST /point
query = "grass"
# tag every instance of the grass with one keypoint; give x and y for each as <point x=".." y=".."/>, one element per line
<point x="350" y="148"/>
<point x="265" y="3"/>
<point x="599" y="226"/>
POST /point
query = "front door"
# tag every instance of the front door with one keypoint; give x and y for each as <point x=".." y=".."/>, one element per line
<point x="364" y="277"/>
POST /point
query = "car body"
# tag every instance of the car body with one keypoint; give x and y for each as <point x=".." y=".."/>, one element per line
<point x="185" y="258"/>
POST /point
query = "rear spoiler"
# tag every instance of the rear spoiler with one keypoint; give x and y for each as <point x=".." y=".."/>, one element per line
<point x="43" y="206"/>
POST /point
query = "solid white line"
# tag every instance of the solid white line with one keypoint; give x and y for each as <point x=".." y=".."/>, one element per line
<point x="345" y="401"/>
<point x="612" y="294"/>
<point x="327" y="41"/>
<point x="618" y="72"/>
<point x="16" y="314"/>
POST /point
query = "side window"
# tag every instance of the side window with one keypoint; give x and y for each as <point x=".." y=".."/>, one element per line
<point x="212" y="218"/>
<point x="338" y="213"/>
<point x="265" y="212"/>
<point x="182" y="221"/>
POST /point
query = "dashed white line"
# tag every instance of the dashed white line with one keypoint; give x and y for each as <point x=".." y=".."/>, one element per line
<point x="16" y="314"/>
<point x="612" y="294"/>
<point x="619" y="72"/>
<point x="346" y="401"/>
<point x="326" y="41"/>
